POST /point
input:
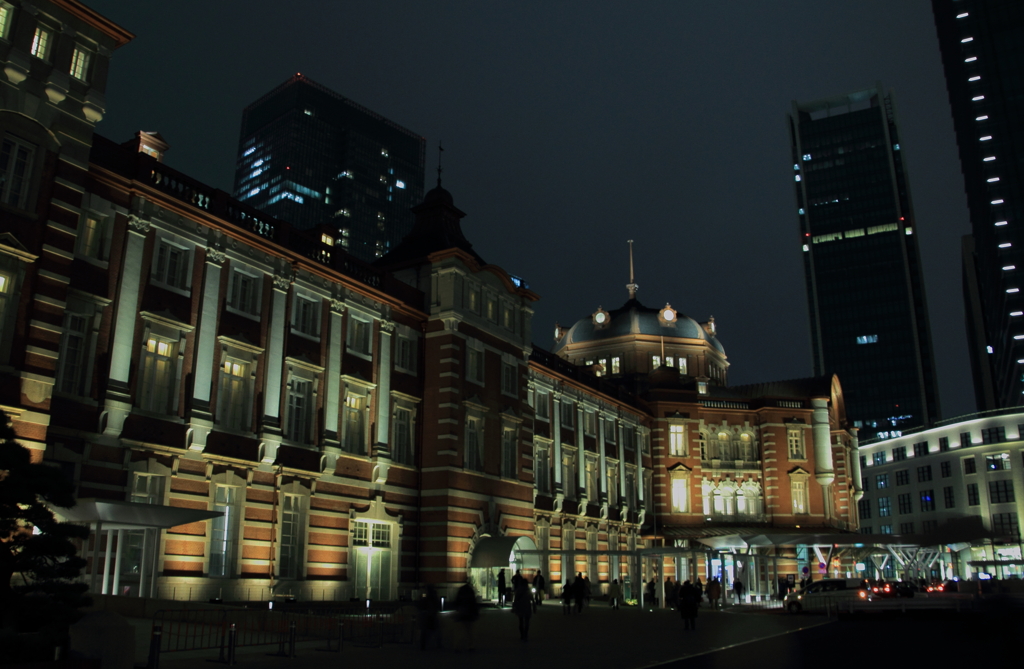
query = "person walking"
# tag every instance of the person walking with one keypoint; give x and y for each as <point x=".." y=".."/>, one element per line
<point x="466" y="612"/>
<point x="699" y="587"/>
<point x="538" y="586"/>
<point x="737" y="587"/>
<point x="522" y="606"/>
<point x="688" y="605"/>
<point x="670" y="593"/>
<point x="430" y="606"/>
<point x="649" y="593"/>
<point x="614" y="594"/>
<point x="714" y="592"/>
<point x="567" y="592"/>
<point x="502" y="586"/>
<point x="579" y="591"/>
<point x="586" y="590"/>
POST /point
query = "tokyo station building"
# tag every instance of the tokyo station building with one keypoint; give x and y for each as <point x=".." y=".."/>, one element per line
<point x="246" y="411"/>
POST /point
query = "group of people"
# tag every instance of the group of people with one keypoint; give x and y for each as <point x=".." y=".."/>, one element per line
<point x="673" y="592"/>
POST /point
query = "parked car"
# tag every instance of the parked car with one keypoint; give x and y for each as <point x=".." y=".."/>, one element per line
<point x="885" y="589"/>
<point x="818" y="595"/>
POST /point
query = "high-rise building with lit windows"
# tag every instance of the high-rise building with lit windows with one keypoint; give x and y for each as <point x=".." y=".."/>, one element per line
<point x="865" y="290"/>
<point x="982" y="46"/>
<point x="311" y="157"/>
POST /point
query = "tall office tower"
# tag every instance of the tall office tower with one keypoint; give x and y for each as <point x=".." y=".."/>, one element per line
<point x="312" y="157"/>
<point x="982" y="46"/>
<point x="869" y="322"/>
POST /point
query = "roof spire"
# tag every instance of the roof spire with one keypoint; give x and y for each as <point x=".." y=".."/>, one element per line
<point x="631" y="286"/>
<point x="439" y="150"/>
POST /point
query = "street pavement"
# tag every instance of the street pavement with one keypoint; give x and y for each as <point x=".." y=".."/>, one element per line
<point x="599" y="636"/>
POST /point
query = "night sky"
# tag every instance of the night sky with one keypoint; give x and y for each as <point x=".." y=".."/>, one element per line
<point x="570" y="127"/>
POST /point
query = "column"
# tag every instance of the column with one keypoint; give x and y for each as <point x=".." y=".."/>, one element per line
<point x="581" y="456"/>
<point x="271" y="432"/>
<point x="639" y="471"/>
<point x="602" y="472"/>
<point x="97" y="529"/>
<point x="556" y="436"/>
<point x="142" y="563"/>
<point x="206" y="333"/>
<point x="623" y="502"/>
<point x="382" y="449"/>
<point x="858" y="486"/>
<point x="117" y="563"/>
<point x="118" y="402"/>
<point x="332" y="402"/>
<point x="106" y="563"/>
<point x="823" y="471"/>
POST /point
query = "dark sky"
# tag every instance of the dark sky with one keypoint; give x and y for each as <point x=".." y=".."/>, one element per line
<point x="570" y="127"/>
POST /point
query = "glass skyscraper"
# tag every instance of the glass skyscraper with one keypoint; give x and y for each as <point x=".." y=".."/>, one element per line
<point x="982" y="46"/>
<point x="869" y="322"/>
<point x="311" y="157"/>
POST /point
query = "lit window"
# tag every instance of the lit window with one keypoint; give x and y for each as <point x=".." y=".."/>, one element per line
<point x="354" y="425"/>
<point x="1005" y="245"/>
<point x="799" y="493"/>
<point x="867" y="339"/>
<point x="1000" y="224"/>
<point x="616" y="366"/>
<point x="244" y="293"/>
<point x="960" y="16"/>
<point x="974" y="78"/>
<point x="977" y="98"/>
<point x="233" y="399"/>
<point x="91" y="238"/>
<point x="1013" y="290"/>
<point x="80" y="63"/>
<point x="988" y="159"/>
<point x="40" y="43"/>
<point x="6" y="11"/>
<point x="985" y="138"/>
<point x="798" y="177"/>
<point x="171" y="265"/>
<point x="159" y="379"/>
<point x="399" y="184"/>
<point x="966" y="40"/>
<point x="1017" y="313"/>
<point x="679" y="500"/>
<point x="992" y="180"/>
<point x="807" y="156"/>
<point x="676" y="440"/>
<point x="997" y="201"/>
<point x="971" y="59"/>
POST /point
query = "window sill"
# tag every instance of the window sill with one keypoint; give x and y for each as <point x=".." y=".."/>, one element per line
<point x="359" y="354"/>
<point x="306" y="335"/>
<point x="184" y="292"/>
<point x="238" y="312"/>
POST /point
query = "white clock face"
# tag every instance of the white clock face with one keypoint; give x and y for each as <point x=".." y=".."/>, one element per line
<point x="669" y="315"/>
<point x="601" y="317"/>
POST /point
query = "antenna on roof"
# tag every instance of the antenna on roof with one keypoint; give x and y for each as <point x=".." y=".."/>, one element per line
<point x="631" y="286"/>
<point x="439" y="150"/>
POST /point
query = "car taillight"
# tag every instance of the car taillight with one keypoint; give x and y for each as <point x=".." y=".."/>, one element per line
<point x="863" y="595"/>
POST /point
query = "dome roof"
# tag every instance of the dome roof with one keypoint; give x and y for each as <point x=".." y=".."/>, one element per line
<point x="438" y="194"/>
<point x="633" y="318"/>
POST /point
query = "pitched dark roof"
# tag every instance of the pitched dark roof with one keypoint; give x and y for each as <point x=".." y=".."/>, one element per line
<point x="437" y="228"/>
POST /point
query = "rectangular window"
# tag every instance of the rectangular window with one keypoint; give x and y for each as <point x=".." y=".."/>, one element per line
<point x="402" y="438"/>
<point x="865" y="484"/>
<point x="244" y="293"/>
<point x="80" y="63"/>
<point x="306" y="318"/>
<point x="949" y="497"/>
<point x="72" y="363"/>
<point x="171" y="265"/>
<point x="943" y="444"/>
<point x="884" y="509"/>
<point x="492" y="309"/>
<point x="224" y="534"/>
<point x="542" y="470"/>
<point x="6" y="12"/>
<point x="616" y="365"/>
<point x="920" y="449"/>
<point x="360" y="533"/>
<point x="885" y="529"/>
<point x="589" y="423"/>
<point x="291" y="536"/>
<point x="905" y="503"/>
<point x="474" y="361"/>
<point x="945" y="469"/>
<point x="676" y="440"/>
<point x="233" y="400"/>
<point x="973" y="498"/>
<point x="300" y="409"/>
<point x="879" y="458"/>
<point x="609" y="430"/>
<point x="590" y="477"/>
<point x="358" y="336"/>
<point x="1000" y="492"/>
<point x="903" y="477"/>
<point x="41" y="43"/>
<point x="795" y="438"/>
<point x="543" y="406"/>
<point x="929" y="525"/>
<point x="927" y="500"/>
<point x="799" y="492"/>
<point x="569" y="473"/>
<point x="993" y="435"/>
<point x="970" y="466"/>
<point x="865" y="529"/>
<point x="1005" y="525"/>
<point x="924" y="473"/>
<point x="354" y="424"/>
<point x="906" y="528"/>
<point x="405" y="354"/>
<point x="509" y="453"/>
<point x="998" y="462"/>
<point x="15" y="165"/>
<point x="509" y="371"/>
<point x="92" y="238"/>
<point x="474" y="444"/>
<point x="158" y="380"/>
<point x="881" y="481"/>
<point x="899" y="453"/>
<point x="864" y="509"/>
<point x="613" y="484"/>
<point x="679" y="495"/>
<point x="965" y="439"/>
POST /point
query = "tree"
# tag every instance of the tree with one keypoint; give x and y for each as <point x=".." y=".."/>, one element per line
<point x="39" y="565"/>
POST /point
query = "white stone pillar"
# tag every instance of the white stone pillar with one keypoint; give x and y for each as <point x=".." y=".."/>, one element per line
<point x="602" y="471"/>
<point x="581" y="456"/>
<point x="118" y="402"/>
<point x="117" y="563"/>
<point x="556" y="439"/>
<point x="384" y="387"/>
<point x="332" y="403"/>
<point x="275" y="369"/>
<point x="142" y="563"/>
<point x="823" y="470"/>
<point x="97" y="536"/>
<point x="106" y="563"/>
<point x="623" y="502"/>
<point x="206" y="333"/>
<point x="858" y="486"/>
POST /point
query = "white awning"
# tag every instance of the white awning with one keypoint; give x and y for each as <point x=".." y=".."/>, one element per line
<point x="119" y="515"/>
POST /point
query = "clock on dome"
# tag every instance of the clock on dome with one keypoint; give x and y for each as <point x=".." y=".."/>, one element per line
<point x="667" y="315"/>
<point x="601" y="318"/>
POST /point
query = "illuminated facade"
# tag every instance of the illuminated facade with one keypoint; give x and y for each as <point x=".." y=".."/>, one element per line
<point x="865" y="288"/>
<point x="916" y="484"/>
<point x="355" y="430"/>
<point x="980" y="43"/>
<point x="313" y="158"/>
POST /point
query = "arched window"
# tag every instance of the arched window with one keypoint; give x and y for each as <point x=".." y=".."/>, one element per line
<point x="725" y="449"/>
